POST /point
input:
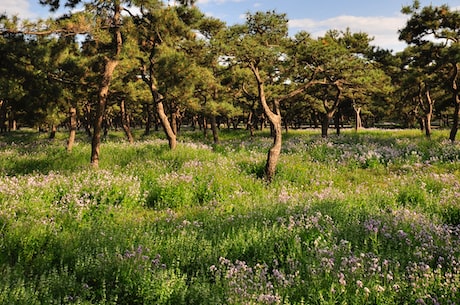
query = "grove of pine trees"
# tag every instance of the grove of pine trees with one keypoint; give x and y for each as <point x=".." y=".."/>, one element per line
<point x="150" y="65"/>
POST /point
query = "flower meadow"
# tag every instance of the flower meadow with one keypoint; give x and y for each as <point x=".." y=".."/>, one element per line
<point x="361" y="218"/>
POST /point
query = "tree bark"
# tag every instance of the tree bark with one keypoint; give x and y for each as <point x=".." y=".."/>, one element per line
<point x="100" y="110"/>
<point x="88" y="120"/>
<point x="456" y="100"/>
<point x="428" y="114"/>
<point x="275" y="120"/>
<point x="166" y="126"/>
<point x="204" y="122"/>
<point x="150" y="117"/>
<point x="52" y="132"/>
<point x="337" y="122"/>
<point x="125" y="122"/>
<point x="174" y="120"/>
<point x="110" y="65"/>
<point x="330" y="110"/>
<point x="72" y="128"/>
<point x="3" y="116"/>
<point x="426" y="104"/>
<point x="149" y="79"/>
<point x="215" y="133"/>
<point x="326" y="118"/>
<point x="358" y="122"/>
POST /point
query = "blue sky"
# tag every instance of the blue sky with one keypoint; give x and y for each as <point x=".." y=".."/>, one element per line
<point x="381" y="19"/>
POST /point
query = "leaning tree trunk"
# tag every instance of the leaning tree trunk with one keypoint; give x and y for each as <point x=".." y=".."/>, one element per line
<point x="275" y="120"/>
<point x="125" y="122"/>
<point x="149" y="79"/>
<point x="172" y="140"/>
<point x="72" y="128"/>
<point x="100" y="110"/>
<point x="110" y="65"/>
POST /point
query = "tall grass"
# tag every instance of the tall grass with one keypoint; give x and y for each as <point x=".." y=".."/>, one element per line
<point x="361" y="218"/>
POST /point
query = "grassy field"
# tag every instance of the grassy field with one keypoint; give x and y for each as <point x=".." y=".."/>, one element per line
<point x="362" y="218"/>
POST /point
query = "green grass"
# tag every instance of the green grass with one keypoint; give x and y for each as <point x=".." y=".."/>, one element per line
<point x="362" y="218"/>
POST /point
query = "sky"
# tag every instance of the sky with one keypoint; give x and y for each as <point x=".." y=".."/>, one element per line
<point x="381" y="19"/>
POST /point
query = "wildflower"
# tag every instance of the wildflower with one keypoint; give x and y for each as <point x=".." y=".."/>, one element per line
<point x="342" y="280"/>
<point x="379" y="288"/>
<point x="359" y="284"/>
<point x="372" y="225"/>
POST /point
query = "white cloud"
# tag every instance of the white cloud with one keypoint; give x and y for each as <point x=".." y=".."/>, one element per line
<point x="21" y="8"/>
<point x="383" y="29"/>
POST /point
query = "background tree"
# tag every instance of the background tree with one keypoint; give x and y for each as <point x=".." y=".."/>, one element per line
<point x="438" y="27"/>
<point x="347" y="73"/>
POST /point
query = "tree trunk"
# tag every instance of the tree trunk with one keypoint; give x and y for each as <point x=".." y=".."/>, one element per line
<point x="358" y="122"/>
<point x="426" y="104"/>
<point x="72" y="128"/>
<point x="250" y="123"/>
<point x="215" y="133"/>
<point x="166" y="126"/>
<point x="150" y="117"/>
<point x="3" y="115"/>
<point x="110" y="65"/>
<point x="428" y="114"/>
<point x="427" y="123"/>
<point x="326" y="118"/>
<point x="205" y="127"/>
<point x="12" y="125"/>
<point x="275" y="150"/>
<point x="337" y="123"/>
<point x="174" y="117"/>
<point x="88" y="119"/>
<point x="329" y="111"/>
<point x="52" y="132"/>
<point x="100" y="110"/>
<point x="125" y="122"/>
<point x="454" y="129"/>
<point x="275" y="120"/>
<point x="456" y="99"/>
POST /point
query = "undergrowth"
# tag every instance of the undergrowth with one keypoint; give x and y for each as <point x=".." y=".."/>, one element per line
<point x="361" y="218"/>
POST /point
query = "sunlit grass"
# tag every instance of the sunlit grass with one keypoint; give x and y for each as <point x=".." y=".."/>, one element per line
<point x="361" y="218"/>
